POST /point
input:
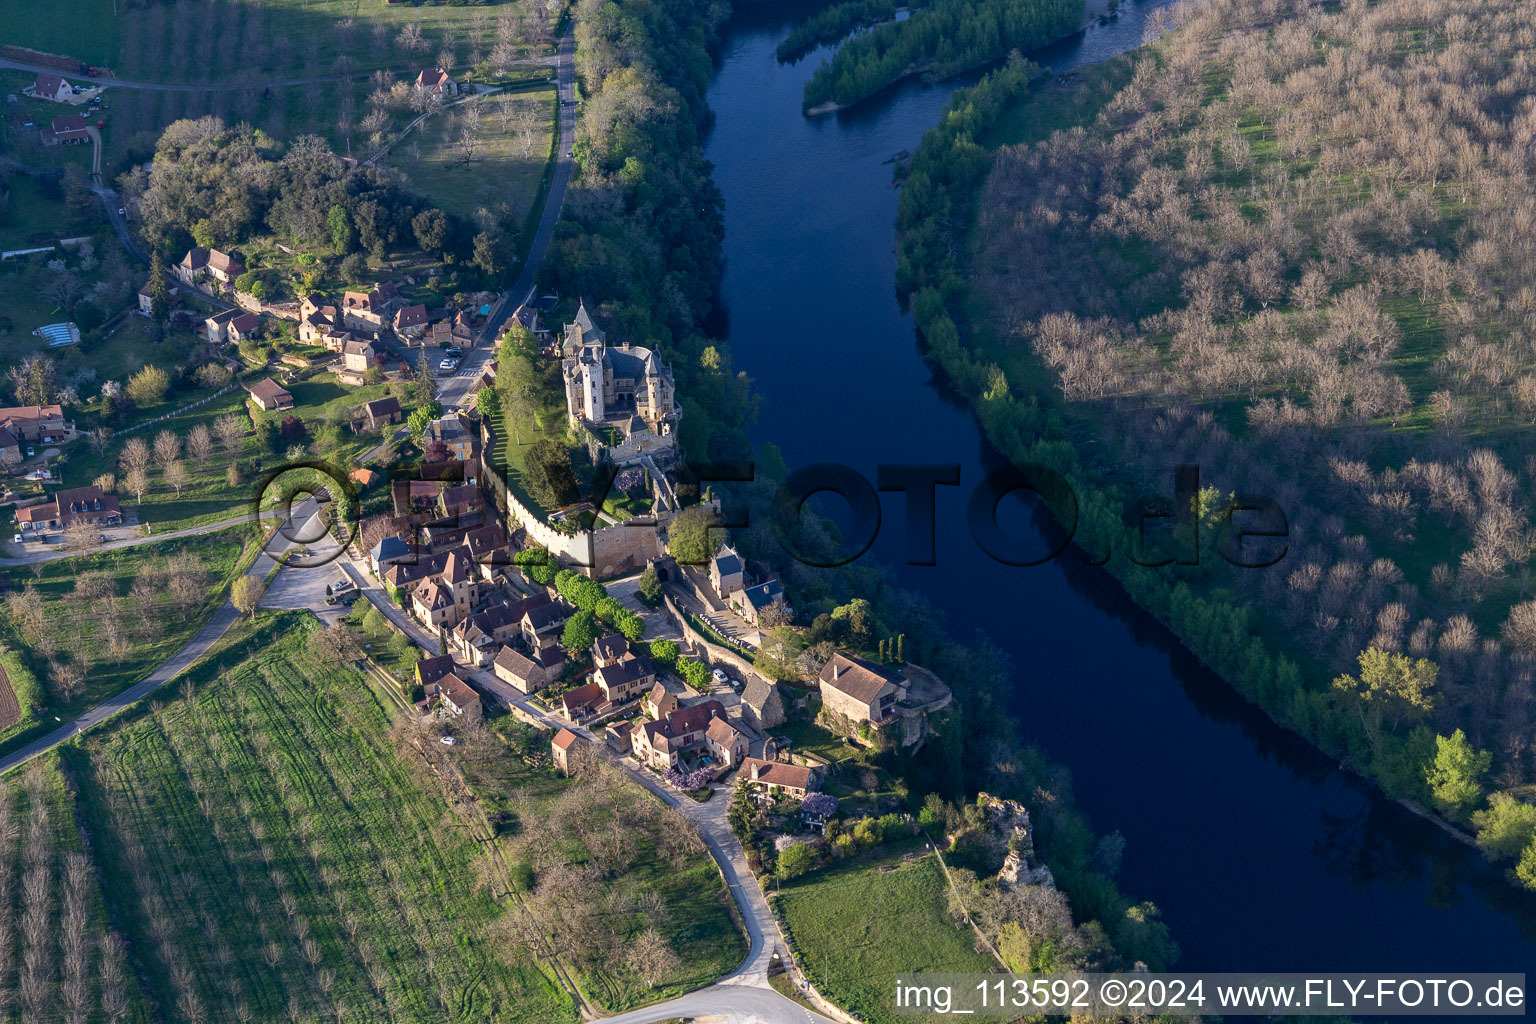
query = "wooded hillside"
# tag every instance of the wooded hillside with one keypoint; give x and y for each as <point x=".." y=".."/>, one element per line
<point x="1297" y="250"/>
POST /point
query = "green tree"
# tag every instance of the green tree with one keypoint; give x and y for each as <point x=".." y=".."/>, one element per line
<point x="431" y="229"/>
<point x="1506" y="827"/>
<point x="694" y="672"/>
<point x="1142" y="935"/>
<point x="343" y="235"/>
<point x="688" y="537"/>
<point x="580" y="632"/>
<point x="549" y="476"/>
<point x="148" y="386"/>
<point x="420" y="418"/>
<point x="795" y="861"/>
<point x="486" y="403"/>
<point x="649" y="586"/>
<point x="664" y="651"/>
<point x="1391" y="688"/>
<point x="631" y="626"/>
<point x="157" y="287"/>
<point x="610" y="609"/>
<point x="858" y="622"/>
<point x="486" y="254"/>
<point x="1455" y="777"/>
<point x="1525" y="871"/>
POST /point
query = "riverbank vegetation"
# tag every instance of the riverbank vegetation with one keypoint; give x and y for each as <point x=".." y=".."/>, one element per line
<point x="940" y="40"/>
<point x="1286" y="250"/>
<point x="834" y="23"/>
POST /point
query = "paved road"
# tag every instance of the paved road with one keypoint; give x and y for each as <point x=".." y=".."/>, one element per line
<point x="565" y="77"/>
<point x="227" y="86"/>
<point x="52" y="553"/>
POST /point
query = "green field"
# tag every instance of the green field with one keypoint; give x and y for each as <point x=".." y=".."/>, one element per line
<point x="861" y="923"/>
<point x="115" y="616"/>
<point x="501" y="172"/>
<point x="270" y="854"/>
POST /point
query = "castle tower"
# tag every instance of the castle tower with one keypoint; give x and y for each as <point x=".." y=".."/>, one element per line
<point x="592" y="384"/>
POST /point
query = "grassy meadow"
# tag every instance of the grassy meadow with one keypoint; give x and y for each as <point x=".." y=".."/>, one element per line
<point x="859" y="924"/>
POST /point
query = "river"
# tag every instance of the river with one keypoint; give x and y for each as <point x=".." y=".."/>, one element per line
<point x="1261" y="854"/>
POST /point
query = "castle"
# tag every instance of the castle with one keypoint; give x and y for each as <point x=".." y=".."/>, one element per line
<point x="625" y="391"/>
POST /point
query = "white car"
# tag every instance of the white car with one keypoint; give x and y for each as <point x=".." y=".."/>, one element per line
<point x="342" y="583"/>
<point x="448" y="364"/>
<point x="720" y="677"/>
<point x="449" y="741"/>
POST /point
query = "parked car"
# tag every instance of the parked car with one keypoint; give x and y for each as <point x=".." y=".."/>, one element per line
<point x="342" y="583"/>
<point x="30" y="453"/>
<point x="449" y="741"/>
<point x="719" y="676"/>
<point x="448" y="364"/>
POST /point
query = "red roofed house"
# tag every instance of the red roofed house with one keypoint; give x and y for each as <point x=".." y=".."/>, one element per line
<point x="223" y="267"/>
<point x="410" y="321"/>
<point x="457" y="698"/>
<point x="52" y="87"/>
<point x="582" y="702"/>
<point x="437" y="83"/>
<point x="369" y="311"/>
<point x="67" y="131"/>
<point x="790" y="779"/>
<point x="560" y="749"/>
<point x="36" y="422"/>
<point x="242" y="326"/>
<point x="857" y="691"/>
<point x="270" y="395"/>
<point x="78" y="504"/>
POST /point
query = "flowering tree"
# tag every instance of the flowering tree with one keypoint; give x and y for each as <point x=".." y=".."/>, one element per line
<point x="822" y="804"/>
<point x="690" y="780"/>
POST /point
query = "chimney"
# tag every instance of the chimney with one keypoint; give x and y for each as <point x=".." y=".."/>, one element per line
<point x="834" y="668"/>
<point x="755" y="768"/>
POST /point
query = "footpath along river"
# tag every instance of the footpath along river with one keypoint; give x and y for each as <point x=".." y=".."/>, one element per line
<point x="1261" y="854"/>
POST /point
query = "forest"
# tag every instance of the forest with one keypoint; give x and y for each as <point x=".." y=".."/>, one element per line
<point x="1294" y="250"/>
<point x="942" y="39"/>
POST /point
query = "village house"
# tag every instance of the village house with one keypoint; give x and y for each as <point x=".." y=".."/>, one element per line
<point x="726" y="743"/>
<point x="451" y="697"/>
<point x="857" y="690"/>
<point x="43" y="423"/>
<point x="231" y="325"/>
<point x="462" y="441"/>
<point x="147" y="301"/>
<point x="560" y="749"/>
<point x="269" y="395"/>
<point x="726" y="572"/>
<point x="76" y="505"/>
<point x="369" y="311"/>
<point x="753" y="603"/>
<point x="436" y="83"/>
<point x="430" y="670"/>
<point x="541" y="626"/>
<point x="445" y="596"/>
<point x="626" y="676"/>
<point x="620" y="737"/>
<point x="529" y="674"/>
<point x="388" y="551"/>
<point x="410" y="321"/>
<point x="583" y="702"/>
<point x="856" y="693"/>
<point x="244" y="325"/>
<point x="377" y="413"/>
<point x="52" y="88"/>
<point x="10" y="448"/>
<point x="792" y="780"/>
<point x="664" y="743"/>
<point x="458" y="331"/>
<point x="358" y="356"/>
<point x="762" y="705"/>
<point x="660" y="702"/>
<point x="67" y="131"/>
<point x="211" y="263"/>
<point x="478" y="637"/>
<point x="319" y="322"/>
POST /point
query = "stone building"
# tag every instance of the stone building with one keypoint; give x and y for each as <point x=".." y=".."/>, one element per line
<point x="623" y="394"/>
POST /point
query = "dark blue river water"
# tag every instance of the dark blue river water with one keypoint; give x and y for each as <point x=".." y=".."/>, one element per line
<point x="1260" y="853"/>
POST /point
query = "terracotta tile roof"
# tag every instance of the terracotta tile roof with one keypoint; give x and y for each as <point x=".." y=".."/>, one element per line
<point x="856" y="678"/>
<point x="564" y="738"/>
<point x="267" y="390"/>
<point x="776" y="773"/>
